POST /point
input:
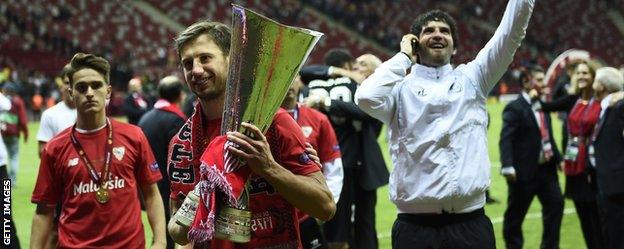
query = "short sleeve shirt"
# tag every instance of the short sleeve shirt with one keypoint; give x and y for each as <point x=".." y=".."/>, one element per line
<point x="63" y="176"/>
<point x="318" y="132"/>
<point x="54" y="120"/>
<point x="274" y="220"/>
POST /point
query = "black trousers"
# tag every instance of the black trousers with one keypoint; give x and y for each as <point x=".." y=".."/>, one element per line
<point x="443" y="231"/>
<point x="519" y="200"/>
<point x="312" y="234"/>
<point x="359" y="233"/>
<point x="612" y="217"/>
<point x="14" y="240"/>
<point x="589" y="218"/>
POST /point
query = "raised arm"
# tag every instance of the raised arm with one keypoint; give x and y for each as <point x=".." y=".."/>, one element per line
<point x="345" y="109"/>
<point x="355" y="76"/>
<point x="374" y="95"/>
<point x="492" y="61"/>
<point x="314" y="72"/>
<point x="563" y="104"/>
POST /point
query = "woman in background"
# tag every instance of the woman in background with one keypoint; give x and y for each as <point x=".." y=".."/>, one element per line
<point x="583" y="107"/>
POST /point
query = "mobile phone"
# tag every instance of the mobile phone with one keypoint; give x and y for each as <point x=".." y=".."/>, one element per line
<point x="415" y="46"/>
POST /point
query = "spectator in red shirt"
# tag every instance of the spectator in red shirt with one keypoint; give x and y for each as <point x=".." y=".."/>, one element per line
<point x="320" y="134"/>
<point x="95" y="169"/>
<point x="14" y="122"/>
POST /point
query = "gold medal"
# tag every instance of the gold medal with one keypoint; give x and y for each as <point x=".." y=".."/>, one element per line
<point x="101" y="195"/>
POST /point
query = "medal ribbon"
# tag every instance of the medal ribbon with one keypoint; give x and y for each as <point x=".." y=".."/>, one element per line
<point x="87" y="161"/>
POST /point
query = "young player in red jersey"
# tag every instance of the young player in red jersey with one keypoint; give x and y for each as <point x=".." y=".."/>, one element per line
<point x="320" y="134"/>
<point x="284" y="177"/>
<point x="95" y="168"/>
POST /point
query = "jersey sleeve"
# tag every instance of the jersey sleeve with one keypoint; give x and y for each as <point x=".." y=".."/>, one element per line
<point x="287" y="141"/>
<point x="328" y="148"/>
<point x="48" y="186"/>
<point x="147" y="171"/>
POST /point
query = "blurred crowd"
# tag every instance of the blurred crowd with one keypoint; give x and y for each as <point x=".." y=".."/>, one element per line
<point x="37" y="38"/>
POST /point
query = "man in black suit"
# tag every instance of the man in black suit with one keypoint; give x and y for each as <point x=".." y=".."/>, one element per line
<point x="136" y="103"/>
<point x="529" y="160"/>
<point x="160" y="125"/>
<point x="608" y="158"/>
<point x="331" y="92"/>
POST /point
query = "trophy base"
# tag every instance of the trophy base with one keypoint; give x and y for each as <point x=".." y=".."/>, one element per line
<point x="233" y="224"/>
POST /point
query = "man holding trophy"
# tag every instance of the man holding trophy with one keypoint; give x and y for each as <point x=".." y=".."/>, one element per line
<point x="251" y="200"/>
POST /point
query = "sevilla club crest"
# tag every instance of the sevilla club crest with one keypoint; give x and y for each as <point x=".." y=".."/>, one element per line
<point x="119" y="152"/>
<point x="307" y="130"/>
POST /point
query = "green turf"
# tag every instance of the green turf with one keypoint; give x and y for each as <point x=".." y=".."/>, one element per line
<point x="571" y="236"/>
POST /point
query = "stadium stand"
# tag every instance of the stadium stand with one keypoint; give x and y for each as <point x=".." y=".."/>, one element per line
<point x="37" y="37"/>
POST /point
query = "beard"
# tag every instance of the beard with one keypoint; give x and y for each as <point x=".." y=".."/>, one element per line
<point x="209" y="94"/>
<point x="435" y="59"/>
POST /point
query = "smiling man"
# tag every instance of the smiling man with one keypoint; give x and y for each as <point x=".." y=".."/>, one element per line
<point x="283" y="180"/>
<point x="437" y="121"/>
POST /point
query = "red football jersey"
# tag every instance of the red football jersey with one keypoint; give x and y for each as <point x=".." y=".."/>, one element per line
<point x="318" y="131"/>
<point x="63" y="177"/>
<point x="274" y="221"/>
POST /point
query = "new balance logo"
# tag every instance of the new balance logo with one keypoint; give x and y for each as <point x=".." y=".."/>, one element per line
<point x="72" y="162"/>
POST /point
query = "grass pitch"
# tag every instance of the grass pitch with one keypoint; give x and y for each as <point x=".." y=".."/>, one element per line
<point x="571" y="236"/>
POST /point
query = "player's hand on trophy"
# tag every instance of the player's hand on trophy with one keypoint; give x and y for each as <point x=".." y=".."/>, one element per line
<point x="253" y="148"/>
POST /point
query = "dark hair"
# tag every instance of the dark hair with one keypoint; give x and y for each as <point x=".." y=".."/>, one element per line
<point x="438" y="16"/>
<point x="337" y="57"/>
<point x="82" y="61"/>
<point x="170" y="88"/>
<point x="65" y="70"/>
<point x="526" y="73"/>
<point x="219" y="32"/>
<point x="536" y="69"/>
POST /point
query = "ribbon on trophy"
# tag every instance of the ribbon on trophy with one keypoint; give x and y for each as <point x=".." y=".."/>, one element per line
<point x="265" y="57"/>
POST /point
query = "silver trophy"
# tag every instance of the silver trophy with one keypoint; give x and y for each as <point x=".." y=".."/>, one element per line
<point x="265" y="57"/>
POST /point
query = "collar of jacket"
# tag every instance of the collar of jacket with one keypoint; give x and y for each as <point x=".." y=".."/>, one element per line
<point x="432" y="72"/>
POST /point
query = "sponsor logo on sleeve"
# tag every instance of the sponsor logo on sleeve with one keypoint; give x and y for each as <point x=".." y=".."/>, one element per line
<point x="154" y="166"/>
<point x="304" y="158"/>
<point x="336" y="148"/>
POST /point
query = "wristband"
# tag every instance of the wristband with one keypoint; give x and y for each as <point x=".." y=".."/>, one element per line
<point x="408" y="56"/>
